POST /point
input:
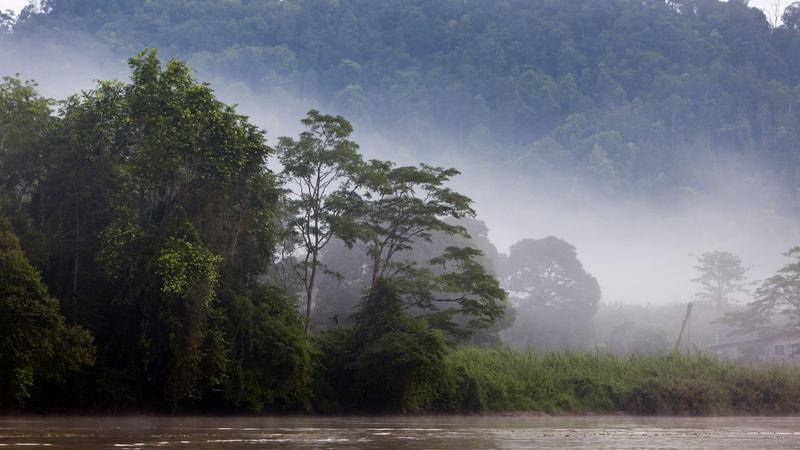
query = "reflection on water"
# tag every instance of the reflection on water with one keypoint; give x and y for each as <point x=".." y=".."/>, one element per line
<point x="440" y="432"/>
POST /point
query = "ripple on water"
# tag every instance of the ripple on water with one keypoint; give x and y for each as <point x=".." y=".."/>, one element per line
<point x="454" y="433"/>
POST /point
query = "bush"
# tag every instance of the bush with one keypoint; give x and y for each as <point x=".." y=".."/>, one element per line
<point x="271" y="367"/>
<point x="387" y="361"/>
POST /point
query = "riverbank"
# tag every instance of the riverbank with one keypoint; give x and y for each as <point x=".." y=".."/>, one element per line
<point x="501" y="382"/>
<point x="505" y="381"/>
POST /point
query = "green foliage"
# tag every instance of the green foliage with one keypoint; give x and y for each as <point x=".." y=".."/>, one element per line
<point x="400" y="208"/>
<point x="339" y="296"/>
<point x="37" y="346"/>
<point x="270" y="364"/>
<point x="151" y="212"/>
<point x="400" y="370"/>
<point x="183" y="265"/>
<point x="149" y="209"/>
<point x="25" y="120"/>
<point x="319" y="168"/>
<point x="404" y="205"/>
<point x="503" y="380"/>
<point x="387" y="361"/>
<point x="191" y="192"/>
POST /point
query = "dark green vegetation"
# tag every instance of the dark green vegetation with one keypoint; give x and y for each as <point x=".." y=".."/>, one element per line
<point x="629" y="93"/>
<point x="149" y="212"/>
<point x="37" y="347"/>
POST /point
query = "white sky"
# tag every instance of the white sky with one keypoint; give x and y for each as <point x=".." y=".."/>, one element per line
<point x="14" y="5"/>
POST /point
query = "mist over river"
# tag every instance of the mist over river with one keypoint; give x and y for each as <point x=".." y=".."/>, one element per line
<point x="439" y="432"/>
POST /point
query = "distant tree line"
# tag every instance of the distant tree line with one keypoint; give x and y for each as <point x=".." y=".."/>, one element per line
<point x="627" y="93"/>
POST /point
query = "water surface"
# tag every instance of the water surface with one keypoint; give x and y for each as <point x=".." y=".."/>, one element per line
<point x="439" y="432"/>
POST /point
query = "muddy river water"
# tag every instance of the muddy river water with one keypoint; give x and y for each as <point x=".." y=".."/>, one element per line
<point x="439" y="432"/>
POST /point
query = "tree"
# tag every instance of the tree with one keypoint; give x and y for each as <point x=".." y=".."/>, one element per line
<point x="36" y="344"/>
<point x="270" y="356"/>
<point x="340" y="294"/>
<point x="25" y="121"/>
<point x="722" y="276"/>
<point x="192" y="209"/>
<point x="780" y="294"/>
<point x="399" y="359"/>
<point x="7" y="20"/>
<point x="404" y="206"/>
<point x="791" y="16"/>
<point x="554" y="296"/>
<point x="319" y="164"/>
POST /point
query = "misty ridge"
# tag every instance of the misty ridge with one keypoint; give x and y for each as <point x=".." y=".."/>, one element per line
<point x="615" y="173"/>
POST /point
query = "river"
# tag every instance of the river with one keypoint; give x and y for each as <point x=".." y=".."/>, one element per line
<point x="437" y="432"/>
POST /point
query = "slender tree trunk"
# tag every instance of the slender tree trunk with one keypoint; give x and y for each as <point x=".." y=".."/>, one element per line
<point x="376" y="268"/>
<point x="310" y="291"/>
<point x="77" y="260"/>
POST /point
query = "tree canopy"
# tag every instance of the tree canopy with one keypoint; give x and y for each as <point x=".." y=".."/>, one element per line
<point x="554" y="295"/>
<point x="722" y="278"/>
<point x="627" y="92"/>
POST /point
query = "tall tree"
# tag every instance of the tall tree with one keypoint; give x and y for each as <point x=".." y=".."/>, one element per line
<point x="318" y="167"/>
<point x="780" y="294"/>
<point x="722" y="277"/>
<point x="778" y="297"/>
<point x="405" y="206"/>
<point x="192" y="208"/>
<point x="554" y="296"/>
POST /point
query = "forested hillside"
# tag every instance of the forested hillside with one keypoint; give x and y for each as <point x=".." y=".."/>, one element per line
<point x="639" y="96"/>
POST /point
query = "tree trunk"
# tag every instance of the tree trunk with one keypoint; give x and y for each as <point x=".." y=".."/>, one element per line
<point x="310" y="291"/>
<point x="77" y="260"/>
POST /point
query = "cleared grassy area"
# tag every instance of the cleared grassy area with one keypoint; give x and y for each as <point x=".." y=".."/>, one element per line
<point x="503" y="380"/>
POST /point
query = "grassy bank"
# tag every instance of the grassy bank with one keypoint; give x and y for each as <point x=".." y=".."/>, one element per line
<point x="503" y="380"/>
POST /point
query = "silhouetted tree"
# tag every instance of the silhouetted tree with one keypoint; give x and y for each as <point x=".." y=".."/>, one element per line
<point x="554" y="297"/>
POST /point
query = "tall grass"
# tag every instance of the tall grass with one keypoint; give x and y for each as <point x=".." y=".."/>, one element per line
<point x="503" y="380"/>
